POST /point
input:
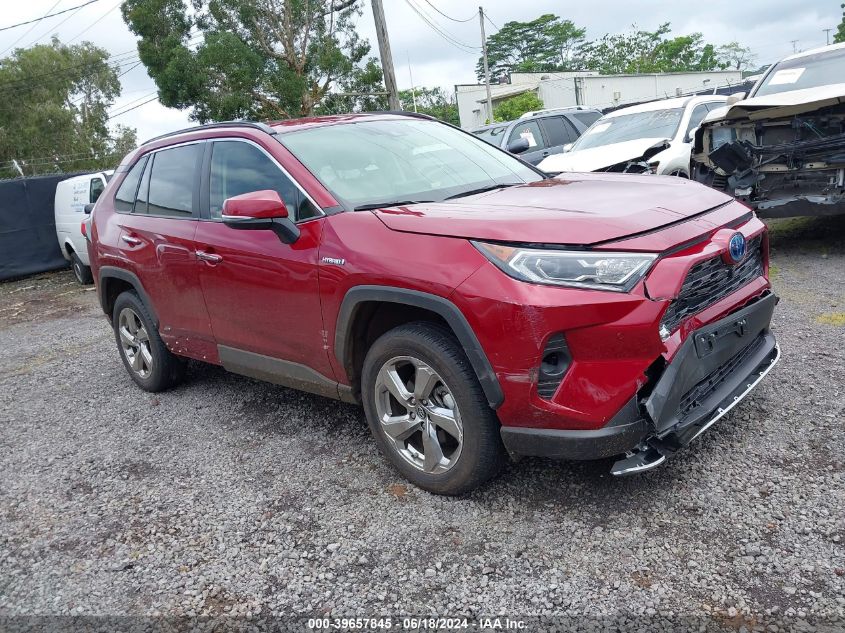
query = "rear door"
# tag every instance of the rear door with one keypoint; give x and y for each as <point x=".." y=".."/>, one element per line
<point x="558" y="132"/>
<point x="262" y="295"/>
<point x="157" y="210"/>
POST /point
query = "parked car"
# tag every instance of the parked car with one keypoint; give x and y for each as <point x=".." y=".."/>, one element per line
<point x="473" y="305"/>
<point x="782" y="150"/>
<point x="652" y="137"/>
<point x="71" y="197"/>
<point x="540" y="133"/>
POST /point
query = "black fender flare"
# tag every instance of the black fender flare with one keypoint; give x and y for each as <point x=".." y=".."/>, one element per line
<point x="113" y="272"/>
<point x="357" y="295"/>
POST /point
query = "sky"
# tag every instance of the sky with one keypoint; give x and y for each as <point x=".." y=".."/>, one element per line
<point x="447" y="57"/>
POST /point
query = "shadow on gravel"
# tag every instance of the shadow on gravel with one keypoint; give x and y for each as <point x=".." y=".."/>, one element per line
<point x="791" y="235"/>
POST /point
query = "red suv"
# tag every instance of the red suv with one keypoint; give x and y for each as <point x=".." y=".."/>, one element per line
<point x="475" y="306"/>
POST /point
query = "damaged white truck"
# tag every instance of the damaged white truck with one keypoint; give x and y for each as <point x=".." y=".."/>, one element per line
<point x="781" y="150"/>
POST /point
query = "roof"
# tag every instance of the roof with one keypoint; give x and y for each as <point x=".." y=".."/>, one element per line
<point x="815" y="51"/>
<point x="665" y="104"/>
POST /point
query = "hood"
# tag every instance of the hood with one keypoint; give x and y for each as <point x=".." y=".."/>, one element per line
<point x="596" y="158"/>
<point x="781" y="104"/>
<point x="570" y="209"/>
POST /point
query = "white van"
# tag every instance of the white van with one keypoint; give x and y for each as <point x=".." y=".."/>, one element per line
<point x="71" y="197"/>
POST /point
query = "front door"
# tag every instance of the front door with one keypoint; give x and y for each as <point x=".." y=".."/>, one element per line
<point x="262" y="295"/>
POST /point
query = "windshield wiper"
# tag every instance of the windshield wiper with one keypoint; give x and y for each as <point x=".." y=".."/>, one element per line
<point x="472" y="192"/>
<point x="383" y="205"/>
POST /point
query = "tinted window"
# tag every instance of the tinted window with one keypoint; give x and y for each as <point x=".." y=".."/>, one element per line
<point x="238" y="168"/>
<point x="124" y="199"/>
<point x="698" y="113"/>
<point x="559" y="130"/>
<point x="587" y="118"/>
<point x="97" y="186"/>
<point x="529" y="130"/>
<point x="171" y="190"/>
<point x="144" y="190"/>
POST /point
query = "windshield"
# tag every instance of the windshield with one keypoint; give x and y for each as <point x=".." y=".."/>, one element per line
<point x="810" y="71"/>
<point x="630" y="127"/>
<point x="402" y="160"/>
<point x="492" y="135"/>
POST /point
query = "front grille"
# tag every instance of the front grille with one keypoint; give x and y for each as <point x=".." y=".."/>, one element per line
<point x="693" y="398"/>
<point x="710" y="281"/>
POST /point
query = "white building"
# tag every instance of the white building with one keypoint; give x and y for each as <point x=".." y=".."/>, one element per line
<point x="557" y="90"/>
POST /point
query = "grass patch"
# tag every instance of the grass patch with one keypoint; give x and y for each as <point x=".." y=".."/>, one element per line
<point x="832" y="318"/>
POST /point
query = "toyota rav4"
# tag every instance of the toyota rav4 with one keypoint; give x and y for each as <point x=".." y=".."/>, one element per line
<point x="476" y="307"/>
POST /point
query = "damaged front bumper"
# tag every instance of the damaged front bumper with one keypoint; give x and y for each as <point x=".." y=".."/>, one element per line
<point x="716" y="367"/>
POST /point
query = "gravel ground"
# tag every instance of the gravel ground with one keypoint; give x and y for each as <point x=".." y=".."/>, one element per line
<point x="232" y="497"/>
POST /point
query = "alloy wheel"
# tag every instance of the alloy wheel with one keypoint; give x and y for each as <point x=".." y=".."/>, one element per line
<point x="135" y="342"/>
<point x="418" y="414"/>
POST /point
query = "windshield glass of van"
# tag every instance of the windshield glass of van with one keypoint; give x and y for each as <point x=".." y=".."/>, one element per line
<point x="630" y="127"/>
<point x="404" y="159"/>
<point x="810" y="71"/>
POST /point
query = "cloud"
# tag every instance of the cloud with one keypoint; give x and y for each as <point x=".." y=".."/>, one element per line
<point x="767" y="26"/>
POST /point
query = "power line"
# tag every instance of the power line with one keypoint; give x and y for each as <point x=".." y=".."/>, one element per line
<point x="29" y="30"/>
<point x="493" y="24"/>
<point x="90" y="26"/>
<point x="50" y="15"/>
<point x="449" y="17"/>
<point x="114" y="116"/>
<point x="467" y="48"/>
<point x="53" y="28"/>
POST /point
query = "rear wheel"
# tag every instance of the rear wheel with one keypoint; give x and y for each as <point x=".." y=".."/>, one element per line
<point x="149" y="363"/>
<point x="80" y="270"/>
<point x="427" y="411"/>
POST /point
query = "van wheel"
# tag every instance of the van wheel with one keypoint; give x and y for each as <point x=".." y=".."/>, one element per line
<point x="149" y="363"/>
<point x="80" y="270"/>
<point x="427" y="411"/>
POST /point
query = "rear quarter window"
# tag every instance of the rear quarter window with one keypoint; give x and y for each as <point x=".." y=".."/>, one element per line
<point x="124" y="199"/>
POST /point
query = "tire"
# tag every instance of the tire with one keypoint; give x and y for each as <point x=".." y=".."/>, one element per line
<point x="441" y="392"/>
<point x="152" y="366"/>
<point x="81" y="271"/>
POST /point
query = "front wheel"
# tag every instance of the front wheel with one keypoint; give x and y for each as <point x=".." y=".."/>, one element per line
<point x="427" y="411"/>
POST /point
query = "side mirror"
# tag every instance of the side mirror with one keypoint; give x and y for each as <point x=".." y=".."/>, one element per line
<point x="518" y="145"/>
<point x="567" y="147"/>
<point x="260" y="210"/>
<point x="88" y="208"/>
<point x="732" y="99"/>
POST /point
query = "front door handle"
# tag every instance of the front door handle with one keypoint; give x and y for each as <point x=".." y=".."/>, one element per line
<point x="209" y="257"/>
<point x="134" y="241"/>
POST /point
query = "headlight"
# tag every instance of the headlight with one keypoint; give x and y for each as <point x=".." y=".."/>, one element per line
<point x="581" y="269"/>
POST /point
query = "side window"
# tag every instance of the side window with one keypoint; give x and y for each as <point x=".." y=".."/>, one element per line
<point x="96" y="188"/>
<point x="698" y="113"/>
<point x="530" y="131"/>
<point x="171" y="181"/>
<point x="238" y="168"/>
<point x="558" y="130"/>
<point x="124" y="199"/>
<point x="141" y="205"/>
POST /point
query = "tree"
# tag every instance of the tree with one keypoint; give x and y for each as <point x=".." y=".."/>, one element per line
<point x="434" y="102"/>
<point x="649" y="52"/>
<point x="840" y="31"/>
<point x="734" y="55"/>
<point x="260" y="59"/>
<point x="544" y="44"/>
<point x="54" y="110"/>
<point x="515" y="107"/>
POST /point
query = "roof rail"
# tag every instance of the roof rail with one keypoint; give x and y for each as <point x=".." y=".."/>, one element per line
<point x="418" y="115"/>
<point x="531" y="113"/>
<point x="256" y="125"/>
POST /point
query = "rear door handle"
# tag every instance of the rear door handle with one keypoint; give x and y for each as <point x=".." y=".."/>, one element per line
<point x="134" y="241"/>
<point x="209" y="257"/>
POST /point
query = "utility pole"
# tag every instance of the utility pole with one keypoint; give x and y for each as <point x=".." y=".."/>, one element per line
<point x="794" y="46"/>
<point x="486" y="69"/>
<point x="411" y="76"/>
<point x="827" y="35"/>
<point x="386" y="56"/>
